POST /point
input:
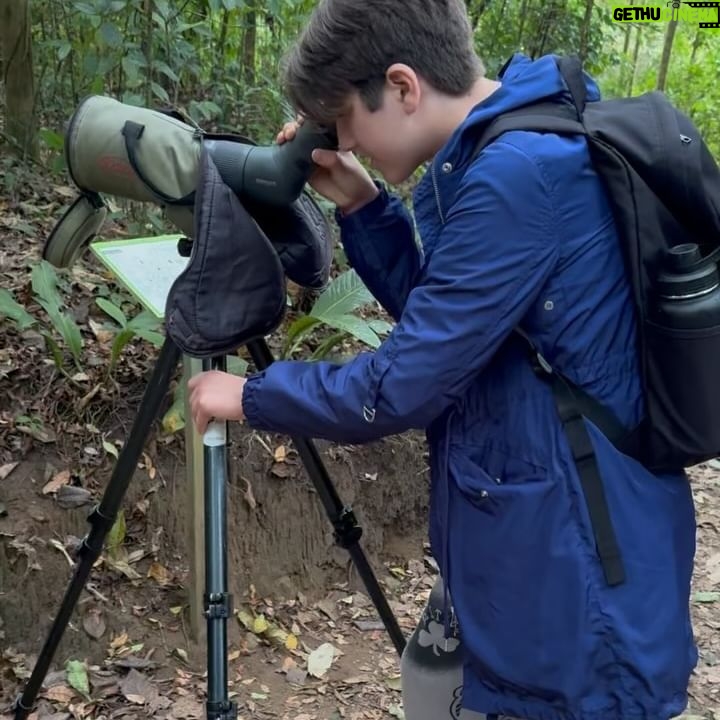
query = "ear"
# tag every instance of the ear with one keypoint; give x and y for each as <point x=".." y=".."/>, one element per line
<point x="404" y="85"/>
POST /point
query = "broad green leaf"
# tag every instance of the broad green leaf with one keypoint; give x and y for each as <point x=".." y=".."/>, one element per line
<point x="54" y="349"/>
<point x="355" y="326"/>
<point x="154" y="338"/>
<point x="77" y="677"/>
<point x="110" y="34"/>
<point x="297" y="330"/>
<point x="44" y="285"/>
<point x="345" y="294"/>
<point x="174" y="419"/>
<point x="381" y="327"/>
<point x="110" y="449"/>
<point x="144" y="320"/>
<point x="327" y="345"/>
<point x="53" y="140"/>
<point x="72" y="336"/>
<point x="85" y="8"/>
<point x="113" y="311"/>
<point x="159" y="91"/>
<point x="236" y="365"/>
<point x="116" y="536"/>
<point x="13" y="310"/>
<point x="120" y="341"/>
<point x="166" y="70"/>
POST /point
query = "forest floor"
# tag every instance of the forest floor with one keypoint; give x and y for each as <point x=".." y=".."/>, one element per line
<point x="320" y="655"/>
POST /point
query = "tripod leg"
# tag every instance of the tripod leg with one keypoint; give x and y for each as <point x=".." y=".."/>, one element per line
<point x="218" y="602"/>
<point x="102" y="518"/>
<point x="347" y="531"/>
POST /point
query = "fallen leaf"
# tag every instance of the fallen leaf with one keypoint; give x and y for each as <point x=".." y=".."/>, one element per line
<point x="320" y="660"/>
<point x="119" y="641"/>
<point x="60" y="479"/>
<point x="94" y="623"/>
<point x="60" y="694"/>
<point x="281" y="470"/>
<point x="260" y="625"/>
<point x="137" y="688"/>
<point x="122" y="567"/>
<point x="706" y="597"/>
<point x="159" y="573"/>
<point x="77" y="676"/>
<point x="187" y="708"/>
<point x="69" y="496"/>
<point x="110" y="448"/>
<point x="280" y="454"/>
<point x="6" y="469"/>
<point x="44" y="435"/>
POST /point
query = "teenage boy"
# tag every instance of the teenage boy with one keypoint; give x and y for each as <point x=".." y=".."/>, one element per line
<point x="520" y="236"/>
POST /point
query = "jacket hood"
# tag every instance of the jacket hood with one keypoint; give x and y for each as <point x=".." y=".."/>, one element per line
<point x="524" y="81"/>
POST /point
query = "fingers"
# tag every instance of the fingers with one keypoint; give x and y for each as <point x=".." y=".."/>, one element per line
<point x="199" y="417"/>
<point x="325" y="158"/>
<point x="289" y="130"/>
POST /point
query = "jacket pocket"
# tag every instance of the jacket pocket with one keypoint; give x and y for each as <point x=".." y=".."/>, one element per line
<point x="518" y="577"/>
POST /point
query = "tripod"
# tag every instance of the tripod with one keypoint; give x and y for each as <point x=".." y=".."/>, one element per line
<point x="217" y="600"/>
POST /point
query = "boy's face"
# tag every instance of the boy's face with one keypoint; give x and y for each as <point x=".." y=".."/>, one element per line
<point x="391" y="138"/>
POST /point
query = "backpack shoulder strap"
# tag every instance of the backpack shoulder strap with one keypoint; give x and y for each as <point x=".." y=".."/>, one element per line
<point x="547" y="117"/>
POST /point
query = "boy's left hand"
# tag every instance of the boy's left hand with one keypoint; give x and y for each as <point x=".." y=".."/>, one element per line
<point x="217" y="395"/>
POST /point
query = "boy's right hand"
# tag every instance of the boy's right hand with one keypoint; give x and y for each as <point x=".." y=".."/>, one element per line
<point x="338" y="176"/>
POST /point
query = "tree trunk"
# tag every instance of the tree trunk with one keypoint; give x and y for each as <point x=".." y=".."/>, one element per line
<point x="666" y="52"/>
<point x="628" y="33"/>
<point x="636" y="53"/>
<point x="147" y="50"/>
<point x="501" y="20"/>
<point x="16" y="48"/>
<point x="523" y="16"/>
<point x="697" y="42"/>
<point x="248" y="51"/>
<point x="585" y="29"/>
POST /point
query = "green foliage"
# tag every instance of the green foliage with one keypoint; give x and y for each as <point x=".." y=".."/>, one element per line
<point x="334" y="310"/>
<point x="144" y="325"/>
<point x="59" y="327"/>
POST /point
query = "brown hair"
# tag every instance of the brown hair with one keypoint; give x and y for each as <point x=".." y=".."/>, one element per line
<point x="349" y="44"/>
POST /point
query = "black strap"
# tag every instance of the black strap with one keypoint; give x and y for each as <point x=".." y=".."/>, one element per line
<point x="571" y="70"/>
<point x="590" y="480"/>
<point x="551" y="117"/>
<point x="133" y="132"/>
<point x="572" y="404"/>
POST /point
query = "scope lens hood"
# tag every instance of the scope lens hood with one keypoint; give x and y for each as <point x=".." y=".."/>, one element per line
<point x="75" y="230"/>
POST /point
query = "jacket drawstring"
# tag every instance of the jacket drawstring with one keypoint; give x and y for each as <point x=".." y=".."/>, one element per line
<point x="445" y="484"/>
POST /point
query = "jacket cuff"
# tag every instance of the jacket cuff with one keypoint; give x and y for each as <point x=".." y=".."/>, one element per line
<point x="367" y="213"/>
<point x="251" y="410"/>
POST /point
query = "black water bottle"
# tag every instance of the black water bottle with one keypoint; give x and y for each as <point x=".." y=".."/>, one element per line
<point x="689" y="290"/>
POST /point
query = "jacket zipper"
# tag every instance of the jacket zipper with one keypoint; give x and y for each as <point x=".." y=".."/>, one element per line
<point x="437" y="193"/>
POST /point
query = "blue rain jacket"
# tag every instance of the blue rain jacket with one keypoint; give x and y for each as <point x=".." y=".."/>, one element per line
<point x="522" y="236"/>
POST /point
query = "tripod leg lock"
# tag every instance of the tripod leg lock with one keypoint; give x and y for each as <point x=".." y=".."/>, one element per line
<point x="100" y="526"/>
<point x="347" y="530"/>
<point x="218" y="605"/>
<point x="225" y="710"/>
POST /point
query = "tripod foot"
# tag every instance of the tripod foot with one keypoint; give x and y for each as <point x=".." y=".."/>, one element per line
<point x="221" y="710"/>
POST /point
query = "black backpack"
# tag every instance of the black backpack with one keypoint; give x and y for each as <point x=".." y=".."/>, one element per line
<point x="664" y="189"/>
